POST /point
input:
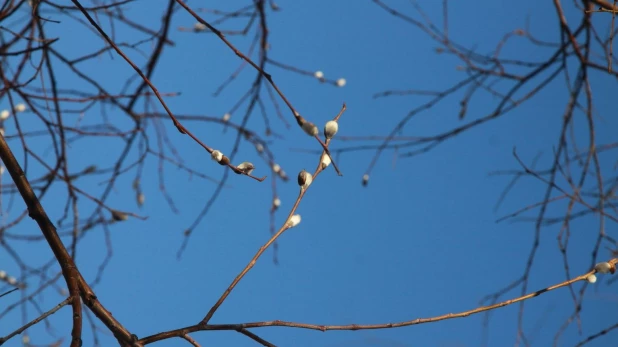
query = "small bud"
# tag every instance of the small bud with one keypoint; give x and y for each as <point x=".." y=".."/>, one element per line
<point x="592" y="278"/>
<point x="276" y="202"/>
<point x="20" y="108"/>
<point x="310" y="128"/>
<point x="119" y="216"/>
<point x="2" y="274"/>
<point x="136" y="183"/>
<point x="325" y="161"/>
<point x="319" y="74"/>
<point x="341" y="82"/>
<point x="11" y="280"/>
<point x="216" y="155"/>
<point x="330" y="129"/>
<point x="90" y="169"/>
<point x="603" y="267"/>
<point x="199" y="26"/>
<point x="226" y="117"/>
<point x="365" y="180"/>
<point x="5" y="114"/>
<point x="294" y="221"/>
<point x="259" y="147"/>
<point x="246" y="168"/>
<point x="283" y="175"/>
<point x="224" y="161"/>
<point x="140" y="199"/>
<point x="304" y="179"/>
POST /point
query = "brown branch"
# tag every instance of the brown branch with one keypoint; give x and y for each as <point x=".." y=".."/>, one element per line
<point x="299" y="119"/>
<point x="177" y="124"/>
<point x="273" y="238"/>
<point x="36" y="212"/>
<point x="76" y="284"/>
<point x="278" y="323"/>
<point x="35" y="321"/>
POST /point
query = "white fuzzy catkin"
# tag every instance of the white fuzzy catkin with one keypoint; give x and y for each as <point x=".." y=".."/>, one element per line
<point x="5" y="114"/>
<point x="325" y="161"/>
<point x="246" y="167"/>
<point x="592" y="278"/>
<point x="330" y="129"/>
<point x="294" y="221"/>
<point x="199" y="26"/>
<point x="319" y="74"/>
<point x="603" y="267"/>
<point x="310" y="128"/>
<point x="140" y="199"/>
<point x="216" y="155"/>
<point x="341" y="82"/>
<point x="277" y="202"/>
<point x="365" y="179"/>
<point x="20" y="107"/>
<point x="226" y="117"/>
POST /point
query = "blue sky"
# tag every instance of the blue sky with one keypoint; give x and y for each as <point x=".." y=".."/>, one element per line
<point x="420" y="240"/>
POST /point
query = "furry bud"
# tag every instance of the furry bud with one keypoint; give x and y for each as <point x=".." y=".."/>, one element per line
<point x="603" y="267"/>
<point x="330" y="129"/>
<point x="325" y="161"/>
<point x="304" y="179"/>
<point x="140" y="199"/>
<point x="119" y="216"/>
<point x="199" y="27"/>
<point x="365" y="180"/>
<point x="310" y="128"/>
<point x="20" y="108"/>
<point x="294" y="221"/>
<point x="216" y="155"/>
<point x="246" y="168"/>
<point x="259" y="147"/>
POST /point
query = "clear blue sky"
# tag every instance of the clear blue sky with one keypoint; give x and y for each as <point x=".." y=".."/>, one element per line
<point x="420" y="240"/>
